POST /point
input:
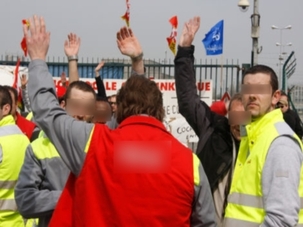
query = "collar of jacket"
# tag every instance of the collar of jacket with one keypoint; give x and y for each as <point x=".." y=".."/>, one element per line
<point x="143" y="119"/>
<point x="256" y="127"/>
<point x="7" y="120"/>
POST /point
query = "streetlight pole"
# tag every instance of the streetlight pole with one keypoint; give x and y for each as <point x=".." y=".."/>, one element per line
<point x="255" y="33"/>
<point x="281" y="45"/>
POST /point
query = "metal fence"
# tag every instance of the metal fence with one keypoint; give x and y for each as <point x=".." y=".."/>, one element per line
<point x="226" y="77"/>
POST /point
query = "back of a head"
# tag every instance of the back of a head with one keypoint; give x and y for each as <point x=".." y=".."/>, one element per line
<point x="5" y="98"/>
<point x="13" y="91"/>
<point x="80" y="85"/>
<point x="139" y="95"/>
<point x="266" y="70"/>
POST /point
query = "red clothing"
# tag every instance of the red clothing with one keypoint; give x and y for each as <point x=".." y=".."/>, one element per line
<point x="26" y="126"/>
<point x="110" y="192"/>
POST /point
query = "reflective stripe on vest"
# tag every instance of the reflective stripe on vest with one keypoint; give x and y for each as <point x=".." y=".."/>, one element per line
<point x="8" y="130"/>
<point x="7" y="184"/>
<point x="245" y="202"/>
<point x="8" y="204"/>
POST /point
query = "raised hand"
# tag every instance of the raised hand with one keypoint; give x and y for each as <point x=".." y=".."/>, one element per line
<point x="128" y="44"/>
<point x="101" y="64"/>
<point x="72" y="45"/>
<point x="23" y="80"/>
<point x="189" y="31"/>
<point x="37" y="39"/>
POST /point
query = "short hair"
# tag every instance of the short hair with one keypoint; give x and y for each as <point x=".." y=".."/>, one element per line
<point x="80" y="85"/>
<point x="235" y="97"/>
<point x="266" y="70"/>
<point x="5" y="97"/>
<point x="14" y="91"/>
<point x="139" y="95"/>
<point x="101" y="99"/>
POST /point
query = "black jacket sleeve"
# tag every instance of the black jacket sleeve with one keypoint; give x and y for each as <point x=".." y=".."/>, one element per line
<point x="100" y="87"/>
<point x="298" y="127"/>
<point x="196" y="112"/>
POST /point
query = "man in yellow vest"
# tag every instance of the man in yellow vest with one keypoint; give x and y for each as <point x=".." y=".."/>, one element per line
<point x="13" y="144"/>
<point x="267" y="185"/>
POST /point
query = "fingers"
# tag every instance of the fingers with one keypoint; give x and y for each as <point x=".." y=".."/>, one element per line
<point x="25" y="31"/>
<point x="42" y="24"/>
<point x="119" y="38"/>
<point x="131" y="34"/>
<point x="37" y="24"/>
<point x="32" y="27"/>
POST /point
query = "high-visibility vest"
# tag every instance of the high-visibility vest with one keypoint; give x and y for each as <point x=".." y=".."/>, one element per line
<point x="245" y="202"/>
<point x="30" y="116"/>
<point x="13" y="144"/>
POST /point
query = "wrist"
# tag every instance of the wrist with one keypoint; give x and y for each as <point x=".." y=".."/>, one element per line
<point x="137" y="58"/>
<point x="72" y="58"/>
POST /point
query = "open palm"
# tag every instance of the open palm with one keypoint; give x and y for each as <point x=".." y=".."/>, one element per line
<point x="127" y="43"/>
<point x="189" y="31"/>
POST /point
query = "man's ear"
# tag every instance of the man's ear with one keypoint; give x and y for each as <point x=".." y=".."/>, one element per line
<point x="62" y="104"/>
<point x="276" y="97"/>
<point x="6" y="109"/>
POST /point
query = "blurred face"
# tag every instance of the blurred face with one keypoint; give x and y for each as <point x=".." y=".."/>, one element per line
<point x="235" y="114"/>
<point x="14" y="105"/>
<point x="80" y="105"/>
<point x="103" y="112"/>
<point x="113" y="104"/>
<point x="284" y="103"/>
<point x="257" y="95"/>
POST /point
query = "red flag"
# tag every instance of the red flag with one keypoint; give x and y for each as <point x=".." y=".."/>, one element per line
<point x="174" y="21"/>
<point x="126" y="16"/>
<point x="172" y="39"/>
<point x="23" y="42"/>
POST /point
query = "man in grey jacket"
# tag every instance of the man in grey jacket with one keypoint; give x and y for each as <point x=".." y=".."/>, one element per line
<point x="44" y="174"/>
<point x="72" y="137"/>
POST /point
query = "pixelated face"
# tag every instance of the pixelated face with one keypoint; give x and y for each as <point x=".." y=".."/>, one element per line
<point x="257" y="95"/>
<point x="81" y="105"/>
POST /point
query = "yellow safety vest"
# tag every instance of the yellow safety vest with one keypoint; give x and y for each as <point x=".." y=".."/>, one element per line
<point x="245" y="203"/>
<point x="30" y="116"/>
<point x="13" y="144"/>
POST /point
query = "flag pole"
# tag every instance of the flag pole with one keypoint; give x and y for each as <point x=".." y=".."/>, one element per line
<point x="221" y="76"/>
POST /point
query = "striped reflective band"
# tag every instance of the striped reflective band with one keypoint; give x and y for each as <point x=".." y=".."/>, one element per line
<point x="8" y="204"/>
<point x="246" y="200"/>
<point x="10" y="184"/>
<point x="231" y="222"/>
<point x="250" y="200"/>
<point x="8" y="130"/>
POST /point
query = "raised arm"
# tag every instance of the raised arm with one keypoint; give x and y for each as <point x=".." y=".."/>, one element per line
<point x="69" y="136"/>
<point x="25" y="98"/>
<point x="129" y="45"/>
<point x="71" y="49"/>
<point x="196" y="112"/>
<point x="99" y="81"/>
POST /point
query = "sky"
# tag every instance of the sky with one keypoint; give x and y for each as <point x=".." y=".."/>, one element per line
<point x="97" y="22"/>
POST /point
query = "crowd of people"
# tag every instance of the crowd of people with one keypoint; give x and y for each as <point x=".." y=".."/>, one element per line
<point x="81" y="158"/>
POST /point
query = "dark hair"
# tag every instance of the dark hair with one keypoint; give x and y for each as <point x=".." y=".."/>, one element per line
<point x="235" y="97"/>
<point x="5" y="97"/>
<point x="139" y="95"/>
<point x="266" y="70"/>
<point x="101" y="99"/>
<point x="12" y="90"/>
<point x="80" y="85"/>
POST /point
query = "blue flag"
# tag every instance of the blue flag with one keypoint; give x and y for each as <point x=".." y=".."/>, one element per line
<point x="213" y="41"/>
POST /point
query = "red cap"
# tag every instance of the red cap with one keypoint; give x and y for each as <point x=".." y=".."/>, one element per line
<point x="219" y="108"/>
<point x="60" y="91"/>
